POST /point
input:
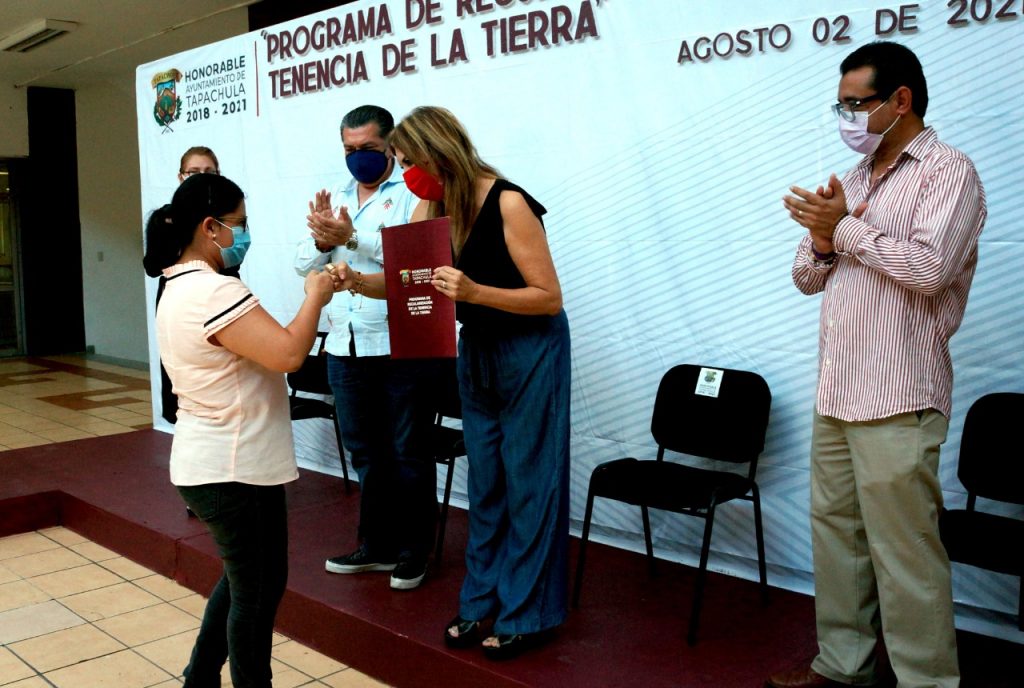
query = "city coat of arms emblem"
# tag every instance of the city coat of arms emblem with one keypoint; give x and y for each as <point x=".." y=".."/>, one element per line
<point x="168" y="103"/>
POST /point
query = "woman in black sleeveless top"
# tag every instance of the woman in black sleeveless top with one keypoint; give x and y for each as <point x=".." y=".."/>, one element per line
<point x="514" y="375"/>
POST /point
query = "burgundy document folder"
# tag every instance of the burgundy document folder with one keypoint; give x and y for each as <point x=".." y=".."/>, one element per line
<point x="421" y="319"/>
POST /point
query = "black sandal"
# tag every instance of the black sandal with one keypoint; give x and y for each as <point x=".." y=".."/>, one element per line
<point x="511" y="646"/>
<point x="468" y="633"/>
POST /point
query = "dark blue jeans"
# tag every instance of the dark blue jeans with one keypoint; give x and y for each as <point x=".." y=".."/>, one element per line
<point x="249" y="523"/>
<point x="515" y="417"/>
<point x="384" y="414"/>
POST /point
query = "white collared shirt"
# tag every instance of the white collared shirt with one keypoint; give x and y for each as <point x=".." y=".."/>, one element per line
<point x="367" y="319"/>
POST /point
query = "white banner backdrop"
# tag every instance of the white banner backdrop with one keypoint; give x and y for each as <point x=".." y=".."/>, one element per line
<point x="661" y="135"/>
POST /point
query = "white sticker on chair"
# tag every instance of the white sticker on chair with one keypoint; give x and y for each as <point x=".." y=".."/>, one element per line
<point x="709" y="381"/>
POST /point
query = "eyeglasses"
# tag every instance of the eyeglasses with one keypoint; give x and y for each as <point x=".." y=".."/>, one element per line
<point x="848" y="109"/>
<point x="243" y="223"/>
<point x="194" y="170"/>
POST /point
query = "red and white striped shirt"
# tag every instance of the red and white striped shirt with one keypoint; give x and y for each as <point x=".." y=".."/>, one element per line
<point x="898" y="288"/>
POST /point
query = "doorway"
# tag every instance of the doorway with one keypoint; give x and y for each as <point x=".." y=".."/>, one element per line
<point x="11" y="339"/>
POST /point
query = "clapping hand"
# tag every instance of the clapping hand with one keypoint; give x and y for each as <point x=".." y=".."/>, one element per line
<point x="820" y="211"/>
<point x="327" y="229"/>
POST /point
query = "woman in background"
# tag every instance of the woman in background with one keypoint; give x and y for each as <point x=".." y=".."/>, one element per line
<point x="232" y="451"/>
<point x="514" y="378"/>
<point x="197" y="160"/>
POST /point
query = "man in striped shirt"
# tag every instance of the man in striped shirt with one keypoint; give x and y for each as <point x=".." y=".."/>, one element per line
<point x="893" y="246"/>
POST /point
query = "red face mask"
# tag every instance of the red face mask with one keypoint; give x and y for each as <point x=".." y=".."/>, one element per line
<point x="423" y="184"/>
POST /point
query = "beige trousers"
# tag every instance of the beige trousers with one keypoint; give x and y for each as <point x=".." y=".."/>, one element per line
<point x="878" y="559"/>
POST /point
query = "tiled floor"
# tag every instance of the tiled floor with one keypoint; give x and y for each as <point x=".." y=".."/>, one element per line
<point x="74" y="614"/>
<point x="46" y="400"/>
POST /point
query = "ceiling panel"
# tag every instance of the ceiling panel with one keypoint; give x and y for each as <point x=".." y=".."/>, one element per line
<point x="112" y="38"/>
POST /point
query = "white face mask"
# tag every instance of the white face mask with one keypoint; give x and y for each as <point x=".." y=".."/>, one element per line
<point x="855" y="134"/>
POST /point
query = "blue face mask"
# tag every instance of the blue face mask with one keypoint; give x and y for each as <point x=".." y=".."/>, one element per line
<point x="235" y="253"/>
<point x="367" y="166"/>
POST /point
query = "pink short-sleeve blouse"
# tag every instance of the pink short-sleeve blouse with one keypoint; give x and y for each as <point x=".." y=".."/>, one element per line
<point x="233" y="419"/>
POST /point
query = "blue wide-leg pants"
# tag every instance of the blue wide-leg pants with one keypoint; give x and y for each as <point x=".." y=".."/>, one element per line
<point x="515" y="403"/>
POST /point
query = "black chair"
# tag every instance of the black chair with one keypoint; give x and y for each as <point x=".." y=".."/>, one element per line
<point x="729" y="427"/>
<point x="447" y="444"/>
<point x="991" y="467"/>
<point x="311" y="378"/>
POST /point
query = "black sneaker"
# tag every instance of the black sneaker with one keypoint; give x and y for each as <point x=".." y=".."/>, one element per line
<point x="409" y="573"/>
<point x="358" y="562"/>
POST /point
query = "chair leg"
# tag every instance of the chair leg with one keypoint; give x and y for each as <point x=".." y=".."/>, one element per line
<point x="647" y="540"/>
<point x="1020" y="606"/>
<point x="582" y="558"/>
<point x="341" y="455"/>
<point x="442" y="522"/>
<point x="698" y="588"/>
<point x="762" y="567"/>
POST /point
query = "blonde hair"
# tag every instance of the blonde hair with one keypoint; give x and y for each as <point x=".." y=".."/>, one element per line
<point x="199" y="150"/>
<point x="433" y="134"/>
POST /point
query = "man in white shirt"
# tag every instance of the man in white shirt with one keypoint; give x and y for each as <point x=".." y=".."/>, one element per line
<point x="384" y="409"/>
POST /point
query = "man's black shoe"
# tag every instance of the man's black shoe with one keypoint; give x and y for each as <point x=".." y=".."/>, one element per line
<point x="358" y="562"/>
<point x="409" y="573"/>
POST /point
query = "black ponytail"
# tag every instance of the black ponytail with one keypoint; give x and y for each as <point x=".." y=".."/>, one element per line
<point x="171" y="228"/>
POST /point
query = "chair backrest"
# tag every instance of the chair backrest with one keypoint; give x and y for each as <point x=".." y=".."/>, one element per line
<point x="727" y="427"/>
<point x="312" y="376"/>
<point x="991" y="457"/>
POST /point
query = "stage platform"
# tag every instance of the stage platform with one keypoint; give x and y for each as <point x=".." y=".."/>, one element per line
<point x="629" y="630"/>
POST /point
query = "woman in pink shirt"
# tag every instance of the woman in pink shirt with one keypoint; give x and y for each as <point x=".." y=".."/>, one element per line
<point x="232" y="451"/>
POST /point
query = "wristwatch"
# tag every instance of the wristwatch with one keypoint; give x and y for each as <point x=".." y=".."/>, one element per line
<point x="353" y="242"/>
